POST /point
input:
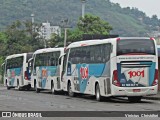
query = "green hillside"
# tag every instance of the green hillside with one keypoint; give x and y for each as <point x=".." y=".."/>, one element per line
<point x="125" y="22"/>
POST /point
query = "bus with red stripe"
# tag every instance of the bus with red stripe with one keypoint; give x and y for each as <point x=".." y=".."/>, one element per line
<point x="122" y="66"/>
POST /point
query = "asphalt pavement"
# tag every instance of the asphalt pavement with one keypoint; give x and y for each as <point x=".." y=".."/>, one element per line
<point x="14" y="100"/>
<point x="153" y="97"/>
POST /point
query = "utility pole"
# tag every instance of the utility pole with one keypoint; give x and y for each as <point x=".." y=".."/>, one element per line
<point x="65" y="36"/>
<point x="83" y="7"/>
<point x="65" y="26"/>
<point x="32" y="15"/>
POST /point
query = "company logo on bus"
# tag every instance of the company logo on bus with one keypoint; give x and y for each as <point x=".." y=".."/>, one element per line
<point x="84" y="72"/>
<point x="136" y="73"/>
<point x="13" y="73"/>
<point x="44" y="73"/>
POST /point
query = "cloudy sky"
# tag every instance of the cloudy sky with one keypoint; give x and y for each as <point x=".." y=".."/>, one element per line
<point x="150" y="7"/>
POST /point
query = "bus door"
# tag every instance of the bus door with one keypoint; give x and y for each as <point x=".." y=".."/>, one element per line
<point x="29" y="69"/>
<point x="78" y="69"/>
<point x="59" y="72"/>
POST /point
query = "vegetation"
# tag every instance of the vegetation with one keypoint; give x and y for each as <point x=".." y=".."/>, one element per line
<point x="90" y="24"/>
<point x="21" y="37"/>
<point x="125" y="21"/>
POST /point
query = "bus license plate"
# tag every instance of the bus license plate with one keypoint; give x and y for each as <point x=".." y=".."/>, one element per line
<point x="136" y="90"/>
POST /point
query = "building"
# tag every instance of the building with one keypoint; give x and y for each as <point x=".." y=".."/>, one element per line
<point x="47" y="30"/>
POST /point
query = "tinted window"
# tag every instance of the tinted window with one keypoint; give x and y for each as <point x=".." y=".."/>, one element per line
<point x="29" y="55"/>
<point x="47" y="59"/>
<point x="90" y="54"/>
<point x="15" y="62"/>
<point x="127" y="46"/>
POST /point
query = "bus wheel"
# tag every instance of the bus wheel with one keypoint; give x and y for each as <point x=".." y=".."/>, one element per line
<point x="134" y="99"/>
<point x="36" y="89"/>
<point x="53" y="91"/>
<point x="97" y="92"/>
<point x="28" y="87"/>
<point x="8" y="88"/>
<point x="70" y="92"/>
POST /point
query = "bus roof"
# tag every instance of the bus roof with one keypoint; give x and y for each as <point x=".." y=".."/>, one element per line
<point x="100" y="41"/>
<point x="15" y="55"/>
<point x="45" y="50"/>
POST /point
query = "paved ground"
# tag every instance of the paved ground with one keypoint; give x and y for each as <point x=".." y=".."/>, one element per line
<point x="14" y="100"/>
<point x="154" y="97"/>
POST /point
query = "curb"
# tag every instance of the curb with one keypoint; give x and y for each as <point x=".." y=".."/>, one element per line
<point x="151" y="98"/>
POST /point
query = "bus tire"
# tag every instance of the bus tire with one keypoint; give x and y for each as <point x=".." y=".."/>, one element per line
<point x="134" y="99"/>
<point x="70" y="92"/>
<point x="53" y="91"/>
<point x="28" y="87"/>
<point x="97" y="93"/>
<point x="35" y="88"/>
<point x="8" y="88"/>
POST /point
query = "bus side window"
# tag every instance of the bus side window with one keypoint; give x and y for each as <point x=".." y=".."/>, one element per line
<point x="52" y="61"/>
<point x="108" y="49"/>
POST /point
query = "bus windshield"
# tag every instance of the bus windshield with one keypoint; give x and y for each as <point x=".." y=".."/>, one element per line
<point x="131" y="46"/>
<point x="29" y="55"/>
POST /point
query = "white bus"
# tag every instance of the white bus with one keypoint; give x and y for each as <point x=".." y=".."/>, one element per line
<point x="112" y="67"/>
<point x="16" y="71"/>
<point x="47" y="67"/>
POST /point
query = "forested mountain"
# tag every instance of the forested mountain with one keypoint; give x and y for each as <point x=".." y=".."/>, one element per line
<point x="125" y="21"/>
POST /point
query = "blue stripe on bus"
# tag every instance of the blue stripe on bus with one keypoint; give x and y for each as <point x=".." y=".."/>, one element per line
<point x="50" y="71"/>
<point x="151" y="73"/>
<point x="95" y="70"/>
<point x="13" y="73"/>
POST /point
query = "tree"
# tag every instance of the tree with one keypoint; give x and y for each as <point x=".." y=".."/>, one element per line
<point x="23" y="37"/>
<point x="74" y="35"/>
<point x="55" y="41"/>
<point x="3" y="43"/>
<point x="90" y="24"/>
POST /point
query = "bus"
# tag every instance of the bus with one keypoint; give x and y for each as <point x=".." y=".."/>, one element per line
<point x="120" y="67"/>
<point x="158" y="48"/>
<point x="46" y="71"/>
<point x="16" y="71"/>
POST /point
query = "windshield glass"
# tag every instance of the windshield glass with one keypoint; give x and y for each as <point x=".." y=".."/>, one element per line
<point x="130" y="46"/>
<point x="29" y="55"/>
